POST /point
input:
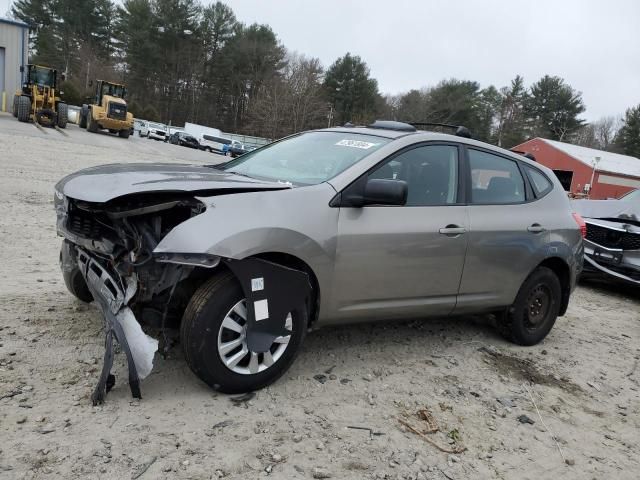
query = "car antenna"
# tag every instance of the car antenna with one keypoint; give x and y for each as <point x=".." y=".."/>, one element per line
<point x="460" y="131"/>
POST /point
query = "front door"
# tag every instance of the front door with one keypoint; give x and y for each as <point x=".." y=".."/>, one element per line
<point x="404" y="261"/>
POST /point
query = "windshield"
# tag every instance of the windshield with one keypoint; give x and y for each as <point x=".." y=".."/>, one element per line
<point x="159" y="126"/>
<point x="306" y="159"/>
<point x="43" y="76"/>
<point x="632" y="196"/>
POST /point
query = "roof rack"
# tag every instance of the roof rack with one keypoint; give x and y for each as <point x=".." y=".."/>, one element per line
<point x="460" y="131"/>
<point x="393" y="125"/>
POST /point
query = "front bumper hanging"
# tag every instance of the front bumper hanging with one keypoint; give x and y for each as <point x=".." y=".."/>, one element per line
<point x="120" y="323"/>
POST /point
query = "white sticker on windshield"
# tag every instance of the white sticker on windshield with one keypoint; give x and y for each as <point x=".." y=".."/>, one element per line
<point x="356" y="144"/>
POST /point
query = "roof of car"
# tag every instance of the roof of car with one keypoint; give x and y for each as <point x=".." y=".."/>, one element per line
<point x="425" y="135"/>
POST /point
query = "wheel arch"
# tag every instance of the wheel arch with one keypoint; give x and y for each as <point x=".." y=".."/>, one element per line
<point x="201" y="275"/>
<point x="562" y="270"/>
<point x="292" y="261"/>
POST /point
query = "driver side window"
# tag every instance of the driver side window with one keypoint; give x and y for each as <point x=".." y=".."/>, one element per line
<point x="431" y="173"/>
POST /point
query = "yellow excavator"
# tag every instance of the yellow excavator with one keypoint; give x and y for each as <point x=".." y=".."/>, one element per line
<point x="37" y="100"/>
<point x="107" y="110"/>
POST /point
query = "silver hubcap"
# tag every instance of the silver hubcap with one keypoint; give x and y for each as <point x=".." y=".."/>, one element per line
<point x="232" y="343"/>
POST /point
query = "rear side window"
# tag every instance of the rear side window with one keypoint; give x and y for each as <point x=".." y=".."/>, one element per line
<point x="495" y="179"/>
<point x="541" y="184"/>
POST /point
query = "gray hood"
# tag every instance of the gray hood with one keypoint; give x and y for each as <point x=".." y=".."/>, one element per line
<point x="607" y="209"/>
<point x="107" y="182"/>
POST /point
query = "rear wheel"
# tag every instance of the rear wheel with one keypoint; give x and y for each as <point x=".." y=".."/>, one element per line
<point x="15" y="106"/>
<point x="213" y="336"/>
<point x="63" y="115"/>
<point x="24" y="108"/>
<point x="535" y="310"/>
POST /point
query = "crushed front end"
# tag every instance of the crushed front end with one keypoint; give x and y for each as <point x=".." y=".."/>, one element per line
<point x="108" y="256"/>
<point x="612" y="247"/>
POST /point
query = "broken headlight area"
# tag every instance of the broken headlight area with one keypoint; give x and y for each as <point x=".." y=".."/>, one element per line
<point x="110" y="246"/>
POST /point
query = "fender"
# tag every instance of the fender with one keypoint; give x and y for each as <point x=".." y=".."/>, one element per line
<point x="272" y="292"/>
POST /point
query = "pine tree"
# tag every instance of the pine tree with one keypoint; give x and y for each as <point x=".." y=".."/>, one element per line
<point x="554" y="108"/>
<point x="628" y="137"/>
<point x="351" y="90"/>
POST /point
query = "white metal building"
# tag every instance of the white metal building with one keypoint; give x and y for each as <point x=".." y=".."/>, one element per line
<point x="14" y="52"/>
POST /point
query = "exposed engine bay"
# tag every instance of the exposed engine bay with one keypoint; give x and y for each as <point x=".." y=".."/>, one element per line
<point x="111" y="247"/>
<point x="108" y="255"/>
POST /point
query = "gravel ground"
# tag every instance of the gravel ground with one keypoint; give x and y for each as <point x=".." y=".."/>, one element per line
<point x="478" y="389"/>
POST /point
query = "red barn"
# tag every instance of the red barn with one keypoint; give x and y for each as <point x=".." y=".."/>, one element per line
<point x="577" y="167"/>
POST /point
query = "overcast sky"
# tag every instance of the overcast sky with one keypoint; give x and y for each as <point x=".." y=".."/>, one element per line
<point x="593" y="44"/>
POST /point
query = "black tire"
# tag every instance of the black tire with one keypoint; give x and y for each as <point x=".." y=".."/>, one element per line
<point x="535" y="310"/>
<point x="84" y="114"/>
<point x="63" y="115"/>
<point x="199" y="336"/>
<point x="24" y="108"/>
<point x="15" y="106"/>
<point x="124" y="133"/>
<point x="92" y="125"/>
<point x="73" y="279"/>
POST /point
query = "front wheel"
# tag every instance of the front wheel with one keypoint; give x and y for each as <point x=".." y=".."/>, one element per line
<point x="124" y="133"/>
<point x="92" y="125"/>
<point x="15" y="106"/>
<point x="535" y="310"/>
<point x="84" y="115"/>
<point x="24" y="108"/>
<point x="73" y="279"/>
<point x="213" y="337"/>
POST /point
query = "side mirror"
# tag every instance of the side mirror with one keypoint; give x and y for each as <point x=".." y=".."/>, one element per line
<point x="21" y="68"/>
<point x="91" y="83"/>
<point x="378" y="191"/>
<point x="63" y="77"/>
<point x="373" y="191"/>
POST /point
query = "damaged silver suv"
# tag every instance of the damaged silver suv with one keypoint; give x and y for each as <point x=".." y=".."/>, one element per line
<point x="324" y="227"/>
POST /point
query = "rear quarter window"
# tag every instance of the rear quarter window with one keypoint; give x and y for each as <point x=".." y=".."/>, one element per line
<point x="495" y="180"/>
<point x="539" y="181"/>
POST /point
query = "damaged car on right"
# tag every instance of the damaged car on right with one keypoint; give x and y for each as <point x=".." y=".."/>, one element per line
<point x="612" y="243"/>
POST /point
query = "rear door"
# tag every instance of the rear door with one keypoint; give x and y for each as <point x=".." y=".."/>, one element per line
<point x="405" y="261"/>
<point x="507" y="236"/>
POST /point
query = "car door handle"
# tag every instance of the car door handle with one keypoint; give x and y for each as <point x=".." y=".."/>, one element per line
<point x="452" y="230"/>
<point x="536" y="228"/>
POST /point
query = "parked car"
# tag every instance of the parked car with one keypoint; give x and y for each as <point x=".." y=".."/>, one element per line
<point x="185" y="140"/>
<point x="234" y="149"/>
<point x="171" y="131"/>
<point x="143" y="130"/>
<point x="137" y="125"/>
<point x="612" y="244"/>
<point x="324" y="227"/>
<point x="157" y="131"/>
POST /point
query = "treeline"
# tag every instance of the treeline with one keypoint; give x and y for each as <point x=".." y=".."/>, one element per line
<point x="185" y="61"/>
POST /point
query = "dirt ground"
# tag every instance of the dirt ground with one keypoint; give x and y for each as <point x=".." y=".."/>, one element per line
<point x="478" y="389"/>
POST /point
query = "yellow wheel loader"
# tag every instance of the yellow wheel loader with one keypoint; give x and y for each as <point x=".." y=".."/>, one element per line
<point x="37" y="100"/>
<point x="107" y="110"/>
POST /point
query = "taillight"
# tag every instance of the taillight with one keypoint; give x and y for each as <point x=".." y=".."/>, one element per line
<point x="581" y="224"/>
